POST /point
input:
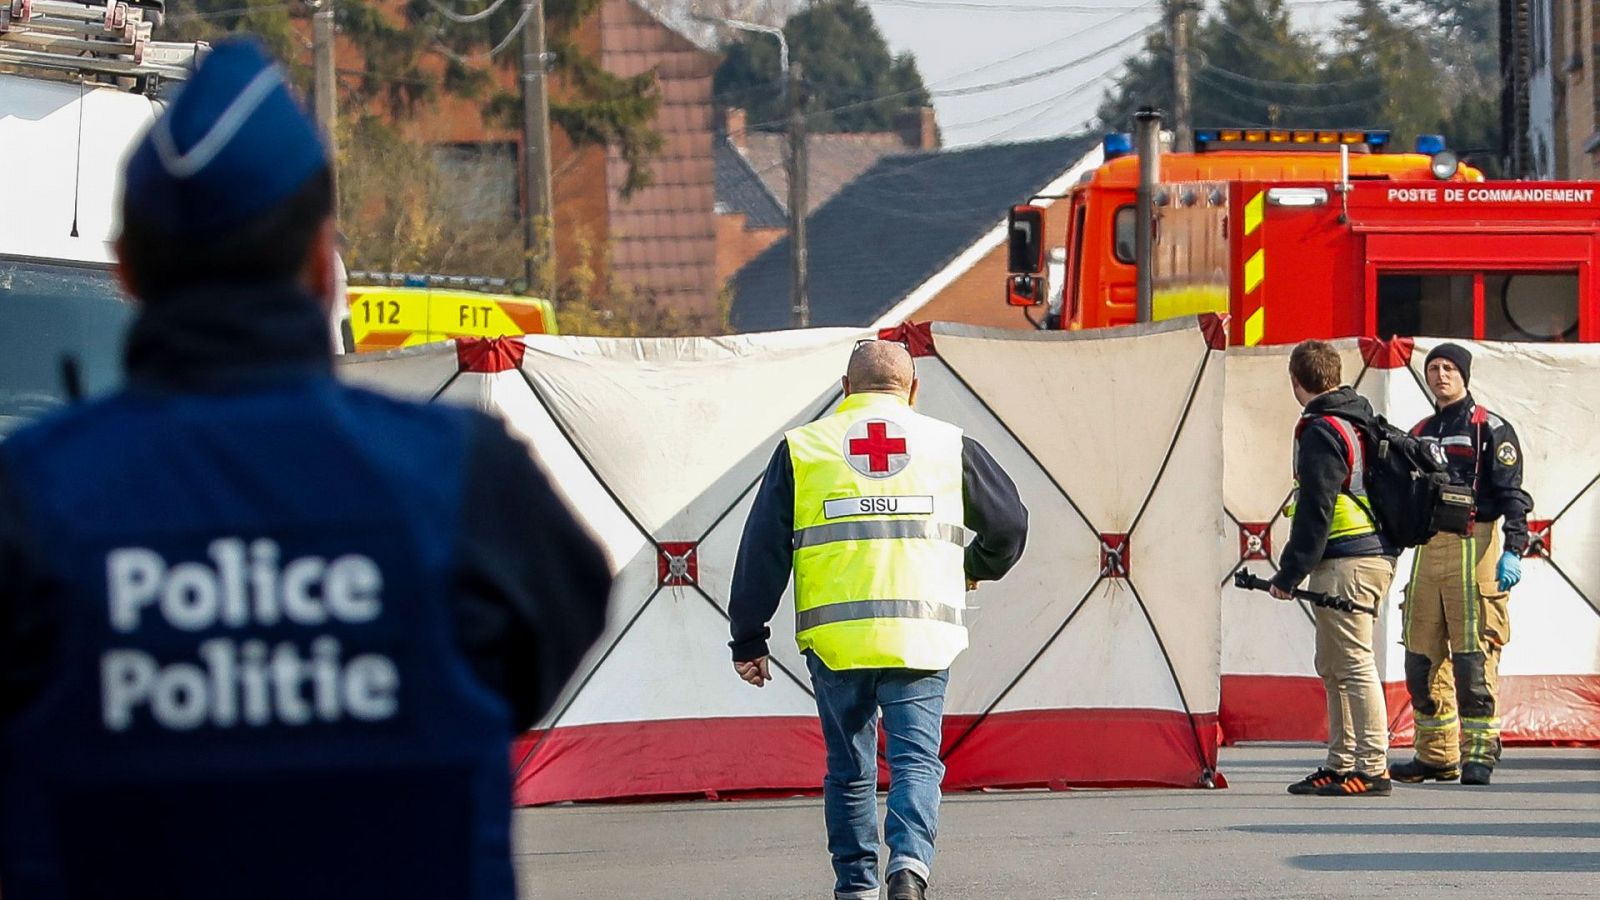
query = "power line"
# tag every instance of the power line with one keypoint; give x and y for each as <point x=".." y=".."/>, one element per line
<point x="1098" y="26"/>
<point x="1058" y="101"/>
<point x="978" y="88"/>
<point x="1047" y="72"/>
<point x="466" y="18"/>
<point x="857" y="104"/>
<point x="1004" y="7"/>
<point x="1242" y="78"/>
<point x="1296" y="107"/>
<point x="512" y="35"/>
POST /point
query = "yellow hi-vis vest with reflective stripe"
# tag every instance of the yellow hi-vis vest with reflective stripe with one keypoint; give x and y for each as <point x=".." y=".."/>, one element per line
<point x="879" y="579"/>
<point x="1352" y="511"/>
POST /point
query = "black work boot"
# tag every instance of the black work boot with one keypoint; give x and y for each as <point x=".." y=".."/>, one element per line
<point x="1417" y="771"/>
<point x="906" y="885"/>
<point x="1475" y="773"/>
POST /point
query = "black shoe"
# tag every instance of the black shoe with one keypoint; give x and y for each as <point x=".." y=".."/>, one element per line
<point x="1416" y="771"/>
<point x="1357" y="784"/>
<point x="906" y="885"/>
<point x="1318" y="779"/>
<point x="1476" y="773"/>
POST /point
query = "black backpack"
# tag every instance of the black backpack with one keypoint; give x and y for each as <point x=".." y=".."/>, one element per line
<point x="1408" y="484"/>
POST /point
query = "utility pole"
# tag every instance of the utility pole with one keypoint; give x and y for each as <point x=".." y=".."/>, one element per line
<point x="800" y="302"/>
<point x="1147" y="138"/>
<point x="1180" y="17"/>
<point x="325" y="82"/>
<point x="539" y="217"/>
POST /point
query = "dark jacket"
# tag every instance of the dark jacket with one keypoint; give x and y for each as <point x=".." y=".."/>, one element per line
<point x="419" y="589"/>
<point x="992" y="509"/>
<point x="1486" y="455"/>
<point x="1322" y="469"/>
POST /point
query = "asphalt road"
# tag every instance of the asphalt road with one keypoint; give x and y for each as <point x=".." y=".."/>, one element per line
<point x="1534" y="833"/>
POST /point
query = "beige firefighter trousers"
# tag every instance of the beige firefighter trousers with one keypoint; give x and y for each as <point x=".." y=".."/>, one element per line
<point x="1456" y="620"/>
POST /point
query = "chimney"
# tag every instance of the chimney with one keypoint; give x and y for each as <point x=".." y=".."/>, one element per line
<point x="733" y="125"/>
<point x="918" y="129"/>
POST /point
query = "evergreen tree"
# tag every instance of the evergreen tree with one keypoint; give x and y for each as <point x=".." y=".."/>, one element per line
<point x="846" y="63"/>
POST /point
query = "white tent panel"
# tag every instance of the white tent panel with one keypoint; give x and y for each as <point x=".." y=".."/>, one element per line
<point x="717" y="555"/>
<point x="1098" y="411"/>
<point x="674" y="664"/>
<point x="415" y="373"/>
<point x="585" y="495"/>
<point x="1553" y="632"/>
<point x="1267" y="636"/>
<point x="1106" y="658"/>
<point x="1258" y="420"/>
<point x="662" y="420"/>
<point x="1177" y="546"/>
<point x="1575" y="538"/>
<point x="1057" y="568"/>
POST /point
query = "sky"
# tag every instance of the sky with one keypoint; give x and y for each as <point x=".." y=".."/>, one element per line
<point x="1062" y="54"/>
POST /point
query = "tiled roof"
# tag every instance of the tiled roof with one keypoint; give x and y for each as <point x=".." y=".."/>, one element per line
<point x="741" y="190"/>
<point x="890" y="230"/>
<point x="834" y="160"/>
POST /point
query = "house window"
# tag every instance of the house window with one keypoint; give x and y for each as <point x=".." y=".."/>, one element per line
<point x="483" y="180"/>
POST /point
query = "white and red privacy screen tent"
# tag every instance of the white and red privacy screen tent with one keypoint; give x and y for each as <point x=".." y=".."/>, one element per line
<point x="1095" y="662"/>
<point x="1550" y="671"/>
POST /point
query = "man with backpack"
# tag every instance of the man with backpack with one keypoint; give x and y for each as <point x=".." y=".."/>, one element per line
<point x="1456" y="618"/>
<point x="1336" y="542"/>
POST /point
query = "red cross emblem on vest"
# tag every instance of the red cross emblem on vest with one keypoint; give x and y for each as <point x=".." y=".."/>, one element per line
<point x="876" y="448"/>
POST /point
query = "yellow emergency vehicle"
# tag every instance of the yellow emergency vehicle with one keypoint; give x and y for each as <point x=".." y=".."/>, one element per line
<point x="434" y="308"/>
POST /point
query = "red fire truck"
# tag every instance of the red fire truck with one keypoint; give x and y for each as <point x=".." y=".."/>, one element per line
<point x="1295" y="238"/>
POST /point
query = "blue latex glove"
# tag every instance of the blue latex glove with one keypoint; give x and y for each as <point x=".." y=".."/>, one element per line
<point x="1509" y="572"/>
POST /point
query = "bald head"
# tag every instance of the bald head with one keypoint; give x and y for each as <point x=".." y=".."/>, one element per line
<point x="881" y="367"/>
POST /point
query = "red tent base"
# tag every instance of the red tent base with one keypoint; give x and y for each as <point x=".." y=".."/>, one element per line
<point x="1537" y="709"/>
<point x="776" y="756"/>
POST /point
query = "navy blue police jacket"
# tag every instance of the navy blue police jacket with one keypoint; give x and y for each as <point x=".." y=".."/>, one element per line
<point x="264" y="635"/>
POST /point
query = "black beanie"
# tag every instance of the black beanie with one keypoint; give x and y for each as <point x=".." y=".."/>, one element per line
<point x="1456" y="354"/>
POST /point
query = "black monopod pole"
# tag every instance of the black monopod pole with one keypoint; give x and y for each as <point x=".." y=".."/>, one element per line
<point x="1243" y="579"/>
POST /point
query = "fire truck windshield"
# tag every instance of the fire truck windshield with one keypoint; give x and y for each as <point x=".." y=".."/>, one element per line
<point x="49" y="312"/>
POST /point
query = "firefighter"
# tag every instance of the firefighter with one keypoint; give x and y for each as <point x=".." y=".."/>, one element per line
<point x="1334" y="540"/>
<point x="271" y="633"/>
<point x="871" y="508"/>
<point x="1456" y="619"/>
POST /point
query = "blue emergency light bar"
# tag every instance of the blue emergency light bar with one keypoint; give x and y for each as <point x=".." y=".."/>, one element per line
<point x="1117" y="144"/>
<point x="1372" y="141"/>
<point x="1429" y="144"/>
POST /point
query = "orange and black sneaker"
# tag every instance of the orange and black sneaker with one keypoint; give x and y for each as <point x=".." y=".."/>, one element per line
<point x="1358" y="784"/>
<point x="1319" y="779"/>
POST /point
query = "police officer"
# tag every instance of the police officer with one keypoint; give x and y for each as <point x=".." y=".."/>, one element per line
<point x="263" y="635"/>
<point x="1456" y="617"/>
<point x="1334" y="540"/>
<point x="871" y="507"/>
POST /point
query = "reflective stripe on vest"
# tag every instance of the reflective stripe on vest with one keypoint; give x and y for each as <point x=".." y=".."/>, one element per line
<point x="881" y="589"/>
<point x="883" y="529"/>
<point x="1352" y="516"/>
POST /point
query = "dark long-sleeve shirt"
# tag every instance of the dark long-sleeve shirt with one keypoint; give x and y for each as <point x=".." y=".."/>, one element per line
<point x="1486" y="455"/>
<point x="991" y="508"/>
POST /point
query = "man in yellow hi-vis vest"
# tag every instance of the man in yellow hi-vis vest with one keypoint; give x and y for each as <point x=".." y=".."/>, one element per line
<point x="1334" y="540"/>
<point x="886" y="517"/>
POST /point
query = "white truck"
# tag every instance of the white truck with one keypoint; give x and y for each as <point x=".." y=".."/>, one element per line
<point x="79" y="85"/>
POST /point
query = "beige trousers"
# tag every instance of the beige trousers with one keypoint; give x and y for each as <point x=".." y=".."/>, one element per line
<point x="1358" y="718"/>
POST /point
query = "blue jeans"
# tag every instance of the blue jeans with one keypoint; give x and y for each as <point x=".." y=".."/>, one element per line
<point x="913" y="709"/>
